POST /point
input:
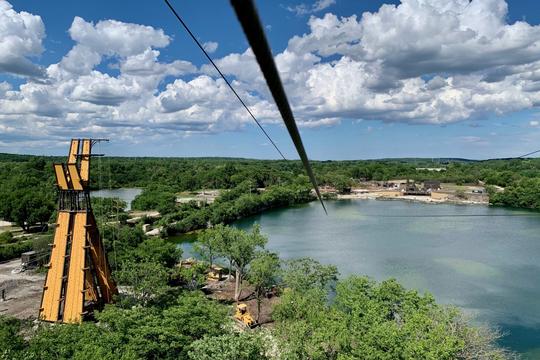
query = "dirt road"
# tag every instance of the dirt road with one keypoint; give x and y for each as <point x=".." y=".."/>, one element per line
<point x="22" y="291"/>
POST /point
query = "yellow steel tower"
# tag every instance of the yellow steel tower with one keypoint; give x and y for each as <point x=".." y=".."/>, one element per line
<point x="78" y="277"/>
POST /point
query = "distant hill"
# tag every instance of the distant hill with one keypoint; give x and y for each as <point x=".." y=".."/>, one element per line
<point x="24" y="157"/>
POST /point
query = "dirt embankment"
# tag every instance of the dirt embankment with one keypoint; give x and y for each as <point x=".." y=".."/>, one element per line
<point x="224" y="291"/>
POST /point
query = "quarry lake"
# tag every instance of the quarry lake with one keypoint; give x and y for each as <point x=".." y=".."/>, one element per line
<point x="484" y="260"/>
<point x="124" y="194"/>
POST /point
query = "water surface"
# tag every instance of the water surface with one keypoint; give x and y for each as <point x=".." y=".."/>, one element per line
<point x="125" y="194"/>
<point x="483" y="259"/>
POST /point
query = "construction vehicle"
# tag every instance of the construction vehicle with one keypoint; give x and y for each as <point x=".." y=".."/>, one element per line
<point x="243" y="316"/>
<point x="215" y="273"/>
<point x="187" y="263"/>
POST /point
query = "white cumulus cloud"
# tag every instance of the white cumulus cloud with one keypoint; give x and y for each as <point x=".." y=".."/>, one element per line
<point x="21" y="36"/>
<point x="422" y="61"/>
<point x="303" y="9"/>
<point x="210" y="46"/>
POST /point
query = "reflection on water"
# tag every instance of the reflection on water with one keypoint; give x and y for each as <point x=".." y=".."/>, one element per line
<point x="185" y="242"/>
<point x="125" y="194"/>
<point x="486" y="265"/>
<point x="469" y="267"/>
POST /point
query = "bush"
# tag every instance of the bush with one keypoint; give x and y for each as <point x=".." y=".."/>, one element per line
<point x="522" y="194"/>
<point x="12" y="251"/>
<point x="370" y="320"/>
<point x="6" y="238"/>
<point x="243" y="346"/>
<point x="160" y="198"/>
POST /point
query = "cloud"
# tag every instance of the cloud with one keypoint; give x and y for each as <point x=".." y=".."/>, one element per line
<point x="304" y="9"/>
<point x="210" y="46"/>
<point x="77" y="99"/>
<point x="422" y="61"/>
<point x="323" y="4"/>
<point x="474" y="140"/>
<point x="21" y="36"/>
<point x="111" y="37"/>
<point x="108" y="38"/>
<point x="534" y="123"/>
<point x="326" y="122"/>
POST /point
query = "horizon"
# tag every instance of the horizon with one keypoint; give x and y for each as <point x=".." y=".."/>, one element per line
<point x="432" y="159"/>
<point x="471" y="89"/>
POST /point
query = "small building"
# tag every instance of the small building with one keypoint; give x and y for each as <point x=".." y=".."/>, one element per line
<point x="432" y="185"/>
<point x="400" y="183"/>
<point x="32" y="259"/>
<point x="412" y="189"/>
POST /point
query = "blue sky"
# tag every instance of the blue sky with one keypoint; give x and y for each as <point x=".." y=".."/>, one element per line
<point x="465" y="83"/>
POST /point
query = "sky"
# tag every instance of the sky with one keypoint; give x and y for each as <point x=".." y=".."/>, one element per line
<point x="365" y="79"/>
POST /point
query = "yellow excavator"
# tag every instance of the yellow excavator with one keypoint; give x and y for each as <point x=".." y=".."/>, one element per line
<point x="215" y="274"/>
<point x="243" y="316"/>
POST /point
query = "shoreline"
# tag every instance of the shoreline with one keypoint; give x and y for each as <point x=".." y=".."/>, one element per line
<point x="409" y="198"/>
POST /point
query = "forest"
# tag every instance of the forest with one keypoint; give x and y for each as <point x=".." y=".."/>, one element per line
<point x="27" y="194"/>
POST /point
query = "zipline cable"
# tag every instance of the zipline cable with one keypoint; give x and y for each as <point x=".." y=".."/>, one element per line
<point x="531" y="153"/>
<point x="249" y="19"/>
<point x="223" y="77"/>
<point x="115" y="229"/>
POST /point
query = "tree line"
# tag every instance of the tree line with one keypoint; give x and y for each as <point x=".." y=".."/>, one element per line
<point x="27" y="191"/>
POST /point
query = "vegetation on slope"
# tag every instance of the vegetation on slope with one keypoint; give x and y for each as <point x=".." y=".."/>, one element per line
<point x="317" y="317"/>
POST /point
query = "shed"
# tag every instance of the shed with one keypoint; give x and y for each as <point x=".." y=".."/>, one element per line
<point x="31" y="258"/>
<point x="432" y="185"/>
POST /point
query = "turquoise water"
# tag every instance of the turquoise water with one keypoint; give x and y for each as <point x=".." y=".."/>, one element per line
<point x="483" y="259"/>
<point x="125" y="194"/>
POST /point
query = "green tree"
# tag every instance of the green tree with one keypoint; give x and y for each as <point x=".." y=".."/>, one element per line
<point x="192" y="277"/>
<point x="108" y="208"/>
<point x="209" y="242"/>
<point x="30" y="207"/>
<point x="11" y="342"/>
<point x="370" y="320"/>
<point x="84" y="341"/>
<point x="460" y="194"/>
<point x="166" y="332"/>
<point x="6" y="238"/>
<point x="342" y="183"/>
<point x="156" y="197"/>
<point x="304" y="274"/>
<point x="147" y="280"/>
<point x="242" y="251"/>
<point x="157" y="250"/>
<point x="238" y="346"/>
<point x="263" y="274"/>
